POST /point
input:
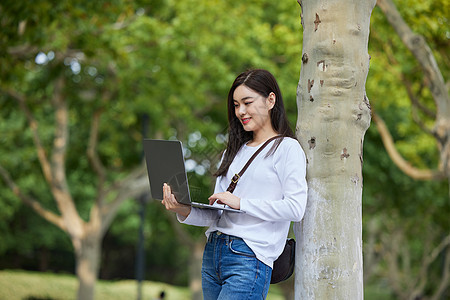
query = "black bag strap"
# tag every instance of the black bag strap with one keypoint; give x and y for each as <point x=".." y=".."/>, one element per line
<point x="236" y="177"/>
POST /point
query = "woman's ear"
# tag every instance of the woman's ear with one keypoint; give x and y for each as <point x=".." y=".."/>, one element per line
<point x="271" y="100"/>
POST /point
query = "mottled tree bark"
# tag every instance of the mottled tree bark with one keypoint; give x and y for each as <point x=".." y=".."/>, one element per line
<point x="333" y="116"/>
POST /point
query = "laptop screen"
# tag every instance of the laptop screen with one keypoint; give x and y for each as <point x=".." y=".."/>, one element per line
<point x="165" y="164"/>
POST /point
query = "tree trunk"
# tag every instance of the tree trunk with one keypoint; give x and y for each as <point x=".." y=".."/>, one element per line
<point x="87" y="252"/>
<point x="195" y="270"/>
<point x="196" y="247"/>
<point x="333" y="116"/>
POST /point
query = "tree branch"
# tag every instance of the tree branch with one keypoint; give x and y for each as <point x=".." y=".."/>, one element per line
<point x="35" y="205"/>
<point x="91" y="151"/>
<point x="433" y="78"/>
<point x="415" y="101"/>
<point x="24" y="50"/>
<point x="61" y="137"/>
<point x="391" y="251"/>
<point x="417" y="285"/>
<point x="396" y="157"/>
<point x="95" y="213"/>
<point x="93" y="155"/>
<point x="422" y="52"/>
<point x="428" y="260"/>
<point x="436" y="251"/>
<point x="387" y="47"/>
<point x="54" y="171"/>
<point x="445" y="278"/>
<point x="419" y="122"/>
<point x="135" y="184"/>
<point x="59" y="186"/>
<point x="42" y="156"/>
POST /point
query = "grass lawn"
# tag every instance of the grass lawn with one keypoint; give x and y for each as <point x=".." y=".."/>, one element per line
<point x="21" y="285"/>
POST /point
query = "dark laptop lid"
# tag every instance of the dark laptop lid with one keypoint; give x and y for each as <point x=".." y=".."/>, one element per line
<point x="165" y="164"/>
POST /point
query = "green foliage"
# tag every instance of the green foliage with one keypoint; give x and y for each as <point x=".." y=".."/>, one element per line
<point x="174" y="61"/>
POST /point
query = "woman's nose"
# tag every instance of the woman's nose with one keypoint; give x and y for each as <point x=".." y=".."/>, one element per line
<point x="242" y="110"/>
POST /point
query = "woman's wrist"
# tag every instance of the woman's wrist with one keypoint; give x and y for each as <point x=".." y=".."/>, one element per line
<point x="185" y="211"/>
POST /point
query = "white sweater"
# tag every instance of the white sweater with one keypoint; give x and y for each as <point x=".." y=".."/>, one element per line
<point x="273" y="193"/>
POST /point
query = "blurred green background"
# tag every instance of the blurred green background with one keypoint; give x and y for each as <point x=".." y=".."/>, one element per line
<point x="171" y="63"/>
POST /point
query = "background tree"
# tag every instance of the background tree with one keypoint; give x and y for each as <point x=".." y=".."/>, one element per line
<point x="67" y="81"/>
<point x="76" y="40"/>
<point x="433" y="80"/>
<point x="333" y="116"/>
<point x="419" y="249"/>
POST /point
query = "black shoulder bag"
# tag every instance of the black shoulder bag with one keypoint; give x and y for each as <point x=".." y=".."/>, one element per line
<point x="283" y="267"/>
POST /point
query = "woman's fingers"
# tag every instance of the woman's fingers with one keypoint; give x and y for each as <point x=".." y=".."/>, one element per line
<point x="171" y="203"/>
<point x="225" y="198"/>
<point x="169" y="199"/>
<point x="167" y="193"/>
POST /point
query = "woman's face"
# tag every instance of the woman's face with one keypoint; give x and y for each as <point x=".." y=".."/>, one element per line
<point x="252" y="109"/>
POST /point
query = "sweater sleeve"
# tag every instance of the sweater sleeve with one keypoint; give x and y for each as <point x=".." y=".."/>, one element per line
<point x="290" y="166"/>
<point x="201" y="216"/>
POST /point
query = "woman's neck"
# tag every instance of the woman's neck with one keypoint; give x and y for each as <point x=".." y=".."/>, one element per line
<point x="261" y="137"/>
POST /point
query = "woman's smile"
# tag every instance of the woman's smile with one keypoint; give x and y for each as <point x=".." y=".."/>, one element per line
<point x="245" y="120"/>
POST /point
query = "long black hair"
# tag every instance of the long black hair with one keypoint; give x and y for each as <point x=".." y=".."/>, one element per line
<point x="262" y="82"/>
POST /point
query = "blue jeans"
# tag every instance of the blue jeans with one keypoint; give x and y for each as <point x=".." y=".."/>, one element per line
<point x="231" y="270"/>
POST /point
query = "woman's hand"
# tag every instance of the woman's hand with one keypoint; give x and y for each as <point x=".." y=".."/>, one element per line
<point x="171" y="203"/>
<point x="226" y="198"/>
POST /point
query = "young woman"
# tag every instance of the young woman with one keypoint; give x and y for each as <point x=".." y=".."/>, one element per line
<point x="241" y="247"/>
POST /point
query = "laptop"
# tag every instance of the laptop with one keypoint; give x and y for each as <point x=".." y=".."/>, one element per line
<point x="165" y="164"/>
